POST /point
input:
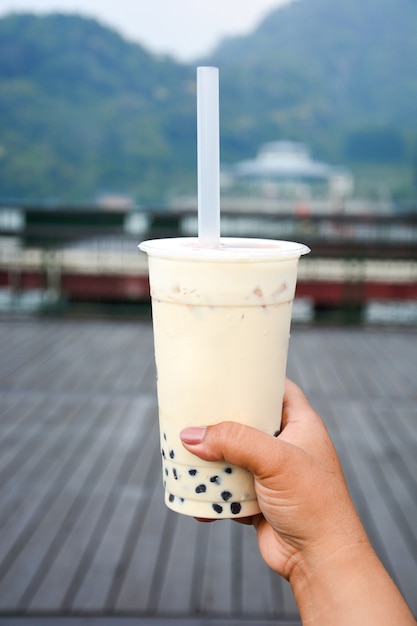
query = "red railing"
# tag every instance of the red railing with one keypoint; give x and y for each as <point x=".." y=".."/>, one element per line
<point x="86" y="254"/>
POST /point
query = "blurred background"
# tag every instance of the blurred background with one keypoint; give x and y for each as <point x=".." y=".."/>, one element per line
<point x="318" y="122"/>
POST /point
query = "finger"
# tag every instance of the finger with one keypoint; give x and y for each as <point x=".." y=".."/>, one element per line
<point x="296" y="408"/>
<point x="237" y="444"/>
<point x="301" y="425"/>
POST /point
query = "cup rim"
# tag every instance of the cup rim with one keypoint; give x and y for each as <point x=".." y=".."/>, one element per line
<point x="230" y="249"/>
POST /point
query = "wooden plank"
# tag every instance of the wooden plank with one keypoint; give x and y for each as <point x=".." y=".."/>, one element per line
<point x="60" y="508"/>
<point x="140" y="568"/>
<point x="399" y="425"/>
<point x="43" y="360"/>
<point x="33" y="464"/>
<point x="400" y="498"/>
<point x="179" y="587"/>
<point x="380" y="503"/>
<point x="94" y="506"/>
<point x="20" y="526"/>
<point x="216" y="592"/>
<point x="357" y="475"/>
<point x="139" y="621"/>
<point x="95" y="582"/>
<point x="84" y="527"/>
<point x="13" y="447"/>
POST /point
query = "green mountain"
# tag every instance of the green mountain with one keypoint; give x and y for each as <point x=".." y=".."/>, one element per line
<point x="84" y="112"/>
<point x="326" y="71"/>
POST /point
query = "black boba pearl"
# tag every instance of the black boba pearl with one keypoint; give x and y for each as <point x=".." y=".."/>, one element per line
<point x="218" y="508"/>
<point x="166" y="471"/>
<point x="235" y="507"/>
<point x="215" y="479"/>
<point x="276" y="433"/>
<point x="201" y="489"/>
<point x="171" y="454"/>
<point x="226" y="495"/>
<point x="192" y="472"/>
<point x="165" y="436"/>
<point x="163" y="453"/>
<point x="228" y="470"/>
<point x="174" y="471"/>
<point x="171" y="497"/>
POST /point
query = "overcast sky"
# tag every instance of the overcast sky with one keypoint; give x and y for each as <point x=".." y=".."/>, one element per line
<point x="186" y="29"/>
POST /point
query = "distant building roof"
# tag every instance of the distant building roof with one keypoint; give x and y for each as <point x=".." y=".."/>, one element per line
<point x="283" y="159"/>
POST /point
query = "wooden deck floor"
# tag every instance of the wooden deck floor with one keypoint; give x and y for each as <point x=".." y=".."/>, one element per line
<point x="83" y="529"/>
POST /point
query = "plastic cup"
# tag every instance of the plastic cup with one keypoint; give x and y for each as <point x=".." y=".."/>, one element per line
<point x="221" y="320"/>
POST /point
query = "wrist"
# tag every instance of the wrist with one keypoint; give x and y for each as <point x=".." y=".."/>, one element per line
<point x="339" y="534"/>
<point x="316" y="563"/>
<point x="322" y="583"/>
<point x="323" y="569"/>
<point x="348" y="585"/>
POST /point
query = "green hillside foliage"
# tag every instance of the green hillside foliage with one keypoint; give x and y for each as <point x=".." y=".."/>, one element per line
<point x="320" y="70"/>
<point x="83" y="111"/>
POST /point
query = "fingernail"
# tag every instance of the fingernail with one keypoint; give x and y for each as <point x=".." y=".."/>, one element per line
<point x="193" y="434"/>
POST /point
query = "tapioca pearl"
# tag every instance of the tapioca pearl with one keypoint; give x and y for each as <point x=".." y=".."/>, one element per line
<point x="226" y="495"/>
<point x="171" y="497"/>
<point x="201" y="489"/>
<point x="165" y="436"/>
<point x="228" y="470"/>
<point x="166" y="472"/>
<point x="174" y="471"/>
<point x="215" y="479"/>
<point x="276" y="433"/>
<point x="171" y="454"/>
<point x="192" y="472"/>
<point x="218" y="508"/>
<point x="235" y="508"/>
<point x="163" y="453"/>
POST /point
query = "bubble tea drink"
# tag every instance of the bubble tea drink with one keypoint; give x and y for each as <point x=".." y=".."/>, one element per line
<point x="221" y="319"/>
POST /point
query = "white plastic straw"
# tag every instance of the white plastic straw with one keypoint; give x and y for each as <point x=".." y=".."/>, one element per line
<point x="208" y="156"/>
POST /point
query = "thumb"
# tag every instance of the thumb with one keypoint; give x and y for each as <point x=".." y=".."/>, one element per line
<point x="239" y="445"/>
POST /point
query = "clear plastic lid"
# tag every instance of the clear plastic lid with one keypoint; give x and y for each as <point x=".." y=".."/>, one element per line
<point x="230" y="249"/>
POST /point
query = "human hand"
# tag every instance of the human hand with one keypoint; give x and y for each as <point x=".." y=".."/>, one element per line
<point x="307" y="511"/>
<point x="308" y="531"/>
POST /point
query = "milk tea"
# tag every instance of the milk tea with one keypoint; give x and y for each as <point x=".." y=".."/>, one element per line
<point x="221" y="319"/>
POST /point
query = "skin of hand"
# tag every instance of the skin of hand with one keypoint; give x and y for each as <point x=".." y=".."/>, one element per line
<point x="309" y="531"/>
